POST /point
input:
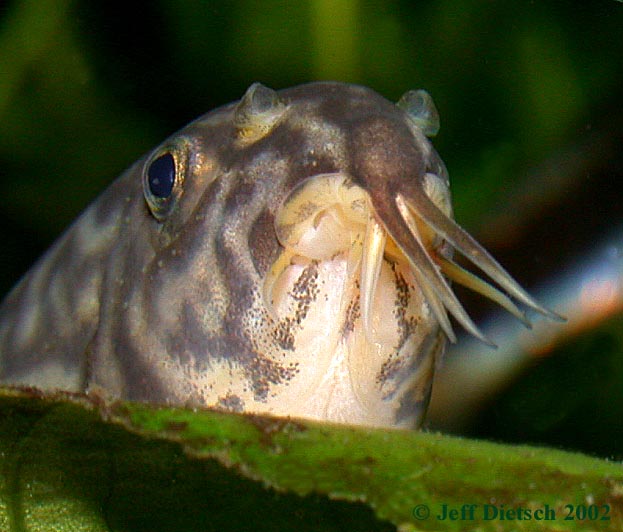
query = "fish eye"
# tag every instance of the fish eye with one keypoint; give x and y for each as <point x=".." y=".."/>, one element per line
<point x="163" y="176"/>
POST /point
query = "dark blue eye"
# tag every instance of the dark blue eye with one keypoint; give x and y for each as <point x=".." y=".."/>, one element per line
<point x="161" y="176"/>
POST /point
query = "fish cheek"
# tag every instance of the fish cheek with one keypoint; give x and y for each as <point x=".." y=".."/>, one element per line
<point x="140" y="305"/>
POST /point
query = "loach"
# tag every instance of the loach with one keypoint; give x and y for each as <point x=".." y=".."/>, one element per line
<point x="286" y="254"/>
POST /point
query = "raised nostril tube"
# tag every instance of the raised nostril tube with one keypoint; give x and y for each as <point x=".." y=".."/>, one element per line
<point x="257" y="112"/>
<point x="421" y="109"/>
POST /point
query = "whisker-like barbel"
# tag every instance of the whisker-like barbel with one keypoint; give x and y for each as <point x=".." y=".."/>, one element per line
<point x="472" y="250"/>
<point x="469" y="280"/>
<point x="287" y="254"/>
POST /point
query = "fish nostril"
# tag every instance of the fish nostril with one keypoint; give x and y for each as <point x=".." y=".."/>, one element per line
<point x="257" y="112"/>
<point x="421" y="109"/>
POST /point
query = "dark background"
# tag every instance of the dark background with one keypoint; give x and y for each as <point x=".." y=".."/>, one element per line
<point x="530" y="98"/>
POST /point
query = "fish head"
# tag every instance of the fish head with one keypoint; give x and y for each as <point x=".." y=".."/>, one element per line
<point x="289" y="254"/>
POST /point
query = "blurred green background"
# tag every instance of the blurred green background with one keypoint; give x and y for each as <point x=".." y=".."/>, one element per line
<point x="530" y="96"/>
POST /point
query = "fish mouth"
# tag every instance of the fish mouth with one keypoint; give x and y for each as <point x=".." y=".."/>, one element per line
<point x="328" y="214"/>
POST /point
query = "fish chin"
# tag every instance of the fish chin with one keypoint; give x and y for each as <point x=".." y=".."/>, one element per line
<point x="356" y="342"/>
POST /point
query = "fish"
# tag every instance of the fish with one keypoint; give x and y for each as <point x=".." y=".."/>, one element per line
<point x="288" y="254"/>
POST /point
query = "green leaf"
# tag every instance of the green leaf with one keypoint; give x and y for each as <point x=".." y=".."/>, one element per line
<point x="71" y="463"/>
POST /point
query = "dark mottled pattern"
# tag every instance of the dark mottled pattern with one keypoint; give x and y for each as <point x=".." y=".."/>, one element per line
<point x="353" y="313"/>
<point x="304" y="292"/>
<point x="262" y="242"/>
<point x="231" y="402"/>
<point x="264" y="372"/>
<point x="414" y="402"/>
<point x="406" y="325"/>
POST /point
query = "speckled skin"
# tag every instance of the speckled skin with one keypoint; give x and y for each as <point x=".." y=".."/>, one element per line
<point x="170" y="310"/>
